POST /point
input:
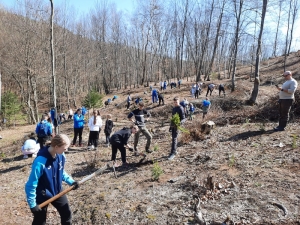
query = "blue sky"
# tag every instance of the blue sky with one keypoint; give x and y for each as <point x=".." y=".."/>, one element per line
<point x="82" y="6"/>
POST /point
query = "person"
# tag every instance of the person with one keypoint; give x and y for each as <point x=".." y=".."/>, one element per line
<point x="179" y="83"/>
<point x="71" y="113"/>
<point x="221" y="89"/>
<point x="161" y="98"/>
<point x="165" y="85"/>
<point x="193" y="91"/>
<point x="184" y="105"/>
<point x="114" y="97"/>
<point x="95" y="124"/>
<point x="30" y="146"/>
<point x="45" y="181"/>
<point x="119" y="140"/>
<point x="151" y="88"/>
<point x="109" y="124"/>
<point x="173" y="128"/>
<point x="205" y="107"/>
<point x="154" y="96"/>
<point x="78" y="127"/>
<point x="197" y="92"/>
<point x="286" y="99"/>
<point x="128" y="101"/>
<point x="191" y="110"/>
<point x="138" y="117"/>
<point x="210" y="89"/>
<point x="43" y="130"/>
<point x="62" y="117"/>
<point x="52" y="125"/>
<point x="161" y="85"/>
<point x="137" y="100"/>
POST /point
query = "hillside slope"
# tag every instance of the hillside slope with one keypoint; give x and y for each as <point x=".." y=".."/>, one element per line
<point x="243" y="169"/>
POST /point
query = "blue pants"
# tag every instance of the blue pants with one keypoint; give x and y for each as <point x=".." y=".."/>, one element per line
<point x="154" y="98"/>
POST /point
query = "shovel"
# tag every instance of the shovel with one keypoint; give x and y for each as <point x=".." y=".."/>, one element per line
<point x="71" y="187"/>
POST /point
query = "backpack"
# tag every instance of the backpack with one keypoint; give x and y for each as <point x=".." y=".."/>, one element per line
<point x="43" y="130"/>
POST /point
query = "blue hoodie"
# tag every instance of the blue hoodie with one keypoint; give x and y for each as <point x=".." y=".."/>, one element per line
<point x="45" y="179"/>
<point x="78" y="121"/>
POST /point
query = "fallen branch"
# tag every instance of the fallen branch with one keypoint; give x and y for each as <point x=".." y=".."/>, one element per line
<point x="280" y="206"/>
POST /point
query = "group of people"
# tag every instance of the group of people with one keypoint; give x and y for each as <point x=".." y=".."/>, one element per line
<point x="47" y="174"/>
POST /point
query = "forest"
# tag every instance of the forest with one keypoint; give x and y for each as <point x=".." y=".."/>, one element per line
<point x="52" y="56"/>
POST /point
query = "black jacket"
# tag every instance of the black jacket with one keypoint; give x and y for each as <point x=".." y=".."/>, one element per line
<point x="108" y="127"/>
<point x="121" y="136"/>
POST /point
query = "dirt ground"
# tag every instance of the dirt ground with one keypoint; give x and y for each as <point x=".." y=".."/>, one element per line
<point x="242" y="169"/>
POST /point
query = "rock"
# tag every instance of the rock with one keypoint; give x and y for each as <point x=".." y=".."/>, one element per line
<point x="207" y="127"/>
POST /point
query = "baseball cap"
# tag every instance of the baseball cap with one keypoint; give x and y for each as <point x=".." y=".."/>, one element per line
<point x="286" y="73"/>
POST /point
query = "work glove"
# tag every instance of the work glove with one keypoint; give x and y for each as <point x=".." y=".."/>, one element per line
<point x="35" y="209"/>
<point x="75" y="184"/>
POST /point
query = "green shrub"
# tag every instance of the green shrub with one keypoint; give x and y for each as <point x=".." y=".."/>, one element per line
<point x="156" y="171"/>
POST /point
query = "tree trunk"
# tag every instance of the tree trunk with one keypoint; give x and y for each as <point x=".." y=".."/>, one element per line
<point x="258" y="54"/>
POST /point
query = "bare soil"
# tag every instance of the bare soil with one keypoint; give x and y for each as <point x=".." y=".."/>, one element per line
<point x="242" y="169"/>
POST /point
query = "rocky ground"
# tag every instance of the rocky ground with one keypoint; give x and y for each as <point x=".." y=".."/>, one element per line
<point x="242" y="170"/>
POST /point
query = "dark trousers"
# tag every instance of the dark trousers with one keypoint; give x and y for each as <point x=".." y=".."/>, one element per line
<point x="174" y="140"/>
<point x="63" y="208"/>
<point x="221" y="89"/>
<point x="209" y="90"/>
<point x="161" y="100"/>
<point x="128" y="105"/>
<point x="77" y="132"/>
<point x="114" y="150"/>
<point x="107" y="136"/>
<point x="42" y="140"/>
<point x="93" y="138"/>
<point x="284" y="111"/>
<point x="197" y="94"/>
<point x="70" y="117"/>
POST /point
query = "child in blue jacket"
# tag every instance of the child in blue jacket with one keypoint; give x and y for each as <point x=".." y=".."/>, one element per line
<point x="45" y="181"/>
<point x="78" y="127"/>
<point x="191" y="110"/>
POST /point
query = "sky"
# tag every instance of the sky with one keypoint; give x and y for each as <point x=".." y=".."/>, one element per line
<point x="83" y="6"/>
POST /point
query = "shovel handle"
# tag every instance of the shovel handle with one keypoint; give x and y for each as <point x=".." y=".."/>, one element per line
<point x="56" y="196"/>
<point x="71" y="187"/>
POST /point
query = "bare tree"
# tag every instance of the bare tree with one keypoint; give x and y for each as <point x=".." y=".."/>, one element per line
<point x="258" y="54"/>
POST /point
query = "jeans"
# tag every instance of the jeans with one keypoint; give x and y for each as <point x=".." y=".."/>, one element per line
<point x="284" y="111"/>
<point x="63" y="208"/>
<point x="174" y="140"/>
<point x="107" y="136"/>
<point x="147" y="135"/>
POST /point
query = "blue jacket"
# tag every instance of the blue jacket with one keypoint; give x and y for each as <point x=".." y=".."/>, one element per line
<point x="154" y="92"/>
<point x="53" y="114"/>
<point x="45" y="179"/>
<point x="78" y="121"/>
<point x="48" y="128"/>
<point x="192" y="108"/>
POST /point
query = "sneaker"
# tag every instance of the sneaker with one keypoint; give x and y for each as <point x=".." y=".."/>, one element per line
<point x="80" y="145"/>
<point x="25" y="157"/>
<point x="279" y="129"/>
<point x="93" y="147"/>
<point x="171" y="157"/>
<point x="89" y="147"/>
<point x="149" y="151"/>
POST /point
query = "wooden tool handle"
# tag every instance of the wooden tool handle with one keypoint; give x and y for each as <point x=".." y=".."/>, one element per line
<point x="56" y="196"/>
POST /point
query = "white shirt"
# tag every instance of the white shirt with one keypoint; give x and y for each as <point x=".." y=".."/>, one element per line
<point x="97" y="126"/>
